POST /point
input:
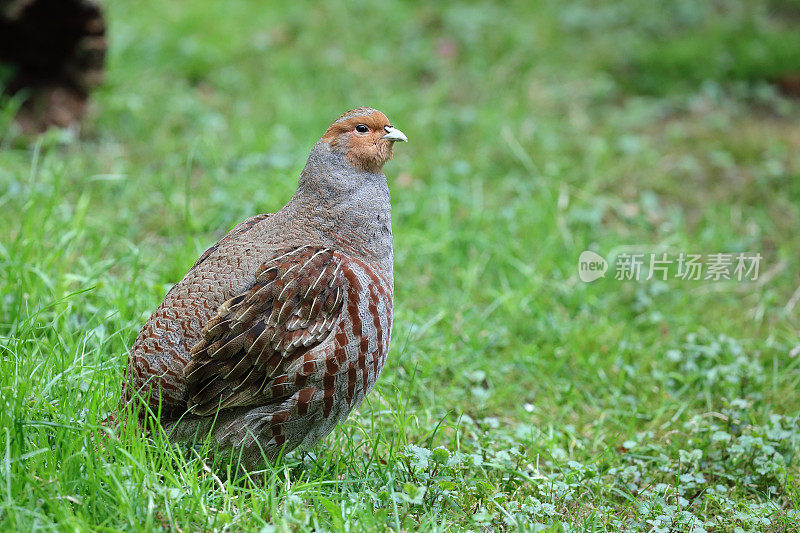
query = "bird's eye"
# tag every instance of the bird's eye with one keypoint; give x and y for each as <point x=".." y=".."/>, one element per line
<point x="362" y="128"/>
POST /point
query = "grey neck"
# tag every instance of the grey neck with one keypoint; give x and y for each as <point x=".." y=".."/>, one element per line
<point x="343" y="207"/>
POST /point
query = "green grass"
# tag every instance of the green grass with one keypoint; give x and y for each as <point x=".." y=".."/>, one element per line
<point x="515" y="396"/>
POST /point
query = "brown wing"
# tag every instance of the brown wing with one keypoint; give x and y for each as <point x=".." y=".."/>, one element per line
<point x="157" y="359"/>
<point x="292" y="306"/>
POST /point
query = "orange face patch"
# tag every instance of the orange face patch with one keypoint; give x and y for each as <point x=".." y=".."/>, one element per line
<point x="360" y="138"/>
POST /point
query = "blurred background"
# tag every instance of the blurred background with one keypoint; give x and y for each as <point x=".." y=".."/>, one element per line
<point x="537" y="130"/>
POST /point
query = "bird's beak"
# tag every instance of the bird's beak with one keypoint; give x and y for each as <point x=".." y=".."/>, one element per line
<point x="393" y="134"/>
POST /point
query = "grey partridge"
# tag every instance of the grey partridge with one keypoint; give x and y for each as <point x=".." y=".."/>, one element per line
<point x="282" y="328"/>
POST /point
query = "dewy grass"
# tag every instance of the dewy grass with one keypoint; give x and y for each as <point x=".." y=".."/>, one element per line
<point x="515" y="396"/>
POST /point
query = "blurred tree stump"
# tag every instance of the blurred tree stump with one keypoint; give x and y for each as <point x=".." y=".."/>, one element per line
<point x="789" y="84"/>
<point x="54" y="52"/>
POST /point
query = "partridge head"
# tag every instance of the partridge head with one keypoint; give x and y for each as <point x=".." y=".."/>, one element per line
<point x="282" y="327"/>
<point x="365" y="137"/>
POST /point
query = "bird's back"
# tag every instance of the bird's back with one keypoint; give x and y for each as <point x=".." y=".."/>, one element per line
<point x="162" y="349"/>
